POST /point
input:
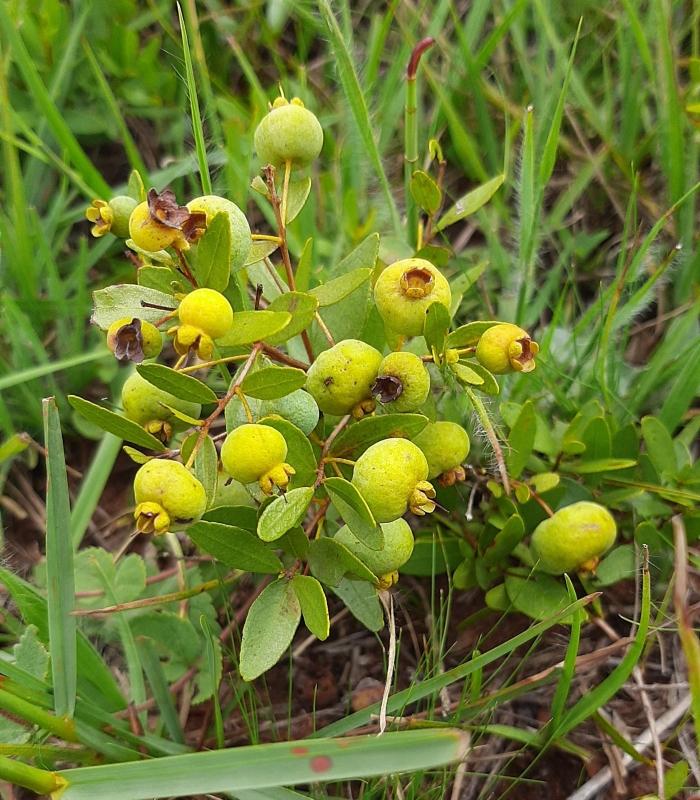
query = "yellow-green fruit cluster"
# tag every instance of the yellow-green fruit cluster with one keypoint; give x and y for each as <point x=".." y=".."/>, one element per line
<point x="342" y="377"/>
<point x="132" y="339"/>
<point x="256" y="452"/>
<point x="391" y="476"/>
<point x="445" y="446"/>
<point x="402" y="383"/>
<point x="211" y="205"/>
<point x="404" y="292"/>
<point x="506" y="348"/>
<point x="573" y="539"/>
<point x="168" y="497"/>
<point x="290" y="132"/>
<point x="205" y="315"/>
<point x="398" y="546"/>
<point x="146" y="405"/>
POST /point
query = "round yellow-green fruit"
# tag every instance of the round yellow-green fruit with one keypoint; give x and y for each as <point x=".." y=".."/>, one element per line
<point x="506" y="348"/>
<point x="171" y="486"/>
<point x="290" y="132"/>
<point x="343" y="376"/>
<point x="574" y="538"/>
<point x="122" y="208"/>
<point x="387" y="474"/>
<point x="402" y="383"/>
<point x="405" y="291"/>
<point x="251" y="450"/>
<point x="143" y="403"/>
<point x="398" y="546"/>
<point x="208" y="311"/>
<point x="211" y="205"/>
<point x="445" y="446"/>
<point x="149" y="234"/>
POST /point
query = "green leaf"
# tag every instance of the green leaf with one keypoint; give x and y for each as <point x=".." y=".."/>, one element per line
<point x="466" y="375"/>
<point x="490" y="384"/>
<point x="243" y="770"/>
<point x="363" y="256"/>
<point x="591" y="467"/>
<point x="60" y="592"/>
<point x="330" y="561"/>
<point x="159" y="278"/>
<point x="659" y="446"/>
<point x="251" y="326"/>
<point x="356" y="438"/>
<point x="300" y="453"/>
<point x="437" y="324"/>
<point x="12" y="447"/>
<point x="126" y="300"/>
<point x="344" y="320"/>
<point x="161" y="692"/>
<point x="301" y="306"/>
<point x="212" y="266"/>
<point x="425" y="192"/>
<point x="506" y="539"/>
<point x="314" y="605"/>
<point x="361" y="599"/>
<point x="239" y="516"/>
<point x="176" y="383"/>
<point x="439" y="256"/>
<point x="296" y="198"/>
<point x="269" y="628"/>
<point x="470" y="203"/>
<point x="115" y="423"/>
<point x="294" y="543"/>
<point x="338" y="289"/>
<point x="675" y="779"/>
<point x="283" y="513"/>
<point x="235" y="547"/>
<point x="30" y="654"/>
<point x="537" y="597"/>
<point x="170" y="631"/>
<point x="544" y="481"/>
<point x="521" y="440"/>
<point x="206" y="464"/>
<point x="269" y="383"/>
<point x="260" y="250"/>
<point x="148" y="257"/>
<point x="596" y="438"/>
<point x="135" y="188"/>
<point x="619" y="564"/>
<point x="469" y="334"/>
<point x="355" y="512"/>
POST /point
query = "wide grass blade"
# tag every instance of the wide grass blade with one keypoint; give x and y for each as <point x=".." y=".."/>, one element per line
<point x="59" y="567"/>
<point x="358" y="106"/>
<point x="268" y="765"/>
<point x="17" y="378"/>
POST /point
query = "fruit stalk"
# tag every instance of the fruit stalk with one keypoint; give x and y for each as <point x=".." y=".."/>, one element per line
<point x="327" y="446"/>
<point x="491" y="436"/>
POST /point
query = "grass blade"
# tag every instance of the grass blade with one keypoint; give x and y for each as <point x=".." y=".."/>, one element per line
<point x="564" y="684"/>
<point x="268" y="765"/>
<point x="59" y="567"/>
<point x="159" y="685"/>
<point x="358" y="106"/>
<point x="17" y="378"/>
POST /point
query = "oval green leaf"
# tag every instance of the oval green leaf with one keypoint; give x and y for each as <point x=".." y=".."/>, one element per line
<point x="425" y="192"/>
<point x="125" y="300"/>
<point x="212" y="266"/>
<point x="490" y="384"/>
<point x="356" y="438"/>
<point x="297" y="196"/>
<point x="251" y="326"/>
<point x="469" y="334"/>
<point x="283" y="513"/>
<point x="114" y="423"/>
<point x="355" y="512"/>
<point x="270" y="383"/>
<point x="334" y="291"/>
<point x="330" y="560"/>
<point x="235" y="547"/>
<point x="470" y="203"/>
<point x="176" y="383"/>
<point x="301" y="306"/>
<point x="314" y="605"/>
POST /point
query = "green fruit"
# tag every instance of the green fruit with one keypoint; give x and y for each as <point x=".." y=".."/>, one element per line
<point x="299" y="408"/>
<point x="404" y="292"/>
<point x="145" y="403"/>
<point x="256" y="453"/>
<point x="506" y="348"/>
<point x="290" y="132"/>
<point x="149" y="234"/>
<point x="122" y="208"/>
<point x="342" y="377"/>
<point x="445" y="446"/>
<point x="211" y="205"/>
<point x="391" y="476"/>
<point x="168" y="497"/>
<point x="398" y="546"/>
<point x="573" y="539"/>
<point x="403" y="382"/>
<point x="132" y="339"/>
<point x="230" y="492"/>
<point x="236" y="414"/>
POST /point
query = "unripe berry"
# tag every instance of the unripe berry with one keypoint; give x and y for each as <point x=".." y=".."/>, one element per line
<point x="211" y="205"/>
<point x="404" y="292"/>
<point x="122" y="208"/>
<point x="403" y="382"/>
<point x="254" y="452"/>
<point x="290" y="132"/>
<point x="160" y="222"/>
<point x="132" y="339"/>
<point x="574" y="539"/>
<point x="205" y="315"/>
<point x="151" y="235"/>
<point x="299" y="408"/>
<point x="445" y="446"/>
<point x="391" y="476"/>
<point x="341" y="378"/>
<point x="145" y="403"/>
<point x="398" y="546"/>
<point x="168" y="497"/>
<point x="506" y="348"/>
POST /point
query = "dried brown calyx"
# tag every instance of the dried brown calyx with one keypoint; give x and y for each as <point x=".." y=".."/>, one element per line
<point x="387" y="388"/>
<point x="128" y="342"/>
<point x="165" y="210"/>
